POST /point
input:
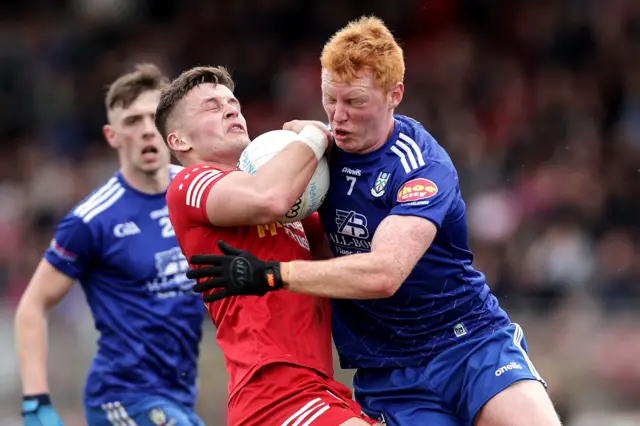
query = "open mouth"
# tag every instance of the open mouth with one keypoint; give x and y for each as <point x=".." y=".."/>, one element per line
<point x="150" y="150"/>
<point x="340" y="134"/>
<point x="235" y="128"/>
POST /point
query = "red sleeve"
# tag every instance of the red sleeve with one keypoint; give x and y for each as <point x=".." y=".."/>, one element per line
<point x="188" y="192"/>
<point x="314" y="230"/>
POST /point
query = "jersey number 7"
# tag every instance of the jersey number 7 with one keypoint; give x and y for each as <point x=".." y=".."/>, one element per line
<point x="352" y="182"/>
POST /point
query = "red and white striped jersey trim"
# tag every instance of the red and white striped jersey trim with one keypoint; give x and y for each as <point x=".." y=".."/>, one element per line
<point x="199" y="185"/>
<point x="309" y="412"/>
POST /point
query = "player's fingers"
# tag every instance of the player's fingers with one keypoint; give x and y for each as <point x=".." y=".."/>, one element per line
<point x="218" y="295"/>
<point x="293" y="125"/>
<point x="228" y="250"/>
<point x="209" y="285"/>
<point x="204" y="272"/>
<point x="204" y="259"/>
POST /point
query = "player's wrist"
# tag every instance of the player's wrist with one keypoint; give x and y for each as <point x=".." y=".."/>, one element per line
<point x="285" y="273"/>
<point x="42" y="398"/>
<point x="314" y="138"/>
<point x="273" y="275"/>
<point x="31" y="402"/>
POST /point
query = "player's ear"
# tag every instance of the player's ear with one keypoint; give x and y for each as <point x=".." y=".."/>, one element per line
<point x="110" y="135"/>
<point x="395" y="95"/>
<point x="177" y="143"/>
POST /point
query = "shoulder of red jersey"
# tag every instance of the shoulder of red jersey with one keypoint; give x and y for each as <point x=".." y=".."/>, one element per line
<point x="193" y="171"/>
<point x="193" y="182"/>
<point x="188" y="193"/>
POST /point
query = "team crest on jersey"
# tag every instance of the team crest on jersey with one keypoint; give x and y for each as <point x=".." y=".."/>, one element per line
<point x="158" y="416"/>
<point x="416" y="190"/>
<point x="381" y="183"/>
<point x="459" y="330"/>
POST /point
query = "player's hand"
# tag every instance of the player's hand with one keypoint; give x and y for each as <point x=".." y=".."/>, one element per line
<point x="39" y="412"/>
<point x="236" y="272"/>
<point x="298" y="125"/>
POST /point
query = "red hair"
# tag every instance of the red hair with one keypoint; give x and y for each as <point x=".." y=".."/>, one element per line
<point x="364" y="45"/>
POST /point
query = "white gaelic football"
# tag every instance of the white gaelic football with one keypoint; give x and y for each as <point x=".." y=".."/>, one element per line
<point x="264" y="147"/>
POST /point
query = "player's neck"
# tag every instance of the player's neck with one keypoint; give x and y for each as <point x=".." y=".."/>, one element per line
<point x="220" y="165"/>
<point x="147" y="183"/>
<point x="224" y="165"/>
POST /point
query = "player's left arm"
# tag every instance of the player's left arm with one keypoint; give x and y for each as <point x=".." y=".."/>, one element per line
<point x="397" y="245"/>
<point x="420" y="206"/>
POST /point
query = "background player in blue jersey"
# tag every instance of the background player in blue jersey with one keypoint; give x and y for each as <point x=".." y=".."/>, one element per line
<point x="429" y="341"/>
<point x="120" y="245"/>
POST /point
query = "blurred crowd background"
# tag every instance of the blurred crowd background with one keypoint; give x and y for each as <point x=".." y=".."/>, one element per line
<point x="537" y="101"/>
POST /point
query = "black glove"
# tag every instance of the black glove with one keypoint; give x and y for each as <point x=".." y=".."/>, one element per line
<point x="236" y="272"/>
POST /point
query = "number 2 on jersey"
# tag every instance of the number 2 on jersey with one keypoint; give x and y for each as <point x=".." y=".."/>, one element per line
<point x="167" y="227"/>
<point x="352" y="182"/>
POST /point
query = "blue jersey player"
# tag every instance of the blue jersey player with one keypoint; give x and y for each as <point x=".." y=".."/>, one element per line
<point x="430" y="344"/>
<point x="118" y="243"/>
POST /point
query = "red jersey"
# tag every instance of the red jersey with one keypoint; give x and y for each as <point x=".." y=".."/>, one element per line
<point x="253" y="331"/>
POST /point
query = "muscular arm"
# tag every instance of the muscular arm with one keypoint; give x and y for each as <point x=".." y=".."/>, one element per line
<point x="254" y="199"/>
<point x="45" y="290"/>
<point x="397" y="245"/>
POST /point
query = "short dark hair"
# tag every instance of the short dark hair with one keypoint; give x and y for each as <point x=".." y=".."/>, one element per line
<point x="182" y="85"/>
<point x="126" y="89"/>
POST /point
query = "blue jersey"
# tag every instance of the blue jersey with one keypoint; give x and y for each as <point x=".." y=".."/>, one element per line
<point x="444" y="299"/>
<point x="120" y="245"/>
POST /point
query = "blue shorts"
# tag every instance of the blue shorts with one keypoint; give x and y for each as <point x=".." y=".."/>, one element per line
<point x="452" y="388"/>
<point x="146" y="411"/>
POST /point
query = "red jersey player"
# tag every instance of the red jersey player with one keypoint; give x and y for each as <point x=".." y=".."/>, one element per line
<point x="277" y="348"/>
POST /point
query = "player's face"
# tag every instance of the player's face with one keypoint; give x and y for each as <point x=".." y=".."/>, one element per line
<point x="360" y="113"/>
<point x="133" y="133"/>
<point x="212" y="124"/>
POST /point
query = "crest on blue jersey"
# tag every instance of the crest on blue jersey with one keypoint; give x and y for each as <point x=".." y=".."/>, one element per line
<point x="380" y="184"/>
<point x="459" y="330"/>
<point x="158" y="416"/>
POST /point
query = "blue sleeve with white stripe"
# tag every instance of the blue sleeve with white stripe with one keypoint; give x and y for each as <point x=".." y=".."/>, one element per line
<point x="71" y="249"/>
<point x="427" y="191"/>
